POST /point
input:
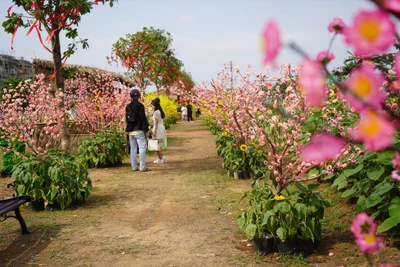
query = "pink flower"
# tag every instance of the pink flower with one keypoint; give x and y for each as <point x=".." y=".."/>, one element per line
<point x="375" y="132"/>
<point x="362" y="225"/>
<point x="395" y="175"/>
<point x="324" y="58"/>
<point x="313" y="83"/>
<point x="370" y="243"/>
<point x="396" y="161"/>
<point x="271" y="42"/>
<point x="336" y="25"/>
<point x="321" y="148"/>
<point x="393" y="5"/>
<point x="372" y="32"/>
<point x="364" y="83"/>
<point x="386" y="265"/>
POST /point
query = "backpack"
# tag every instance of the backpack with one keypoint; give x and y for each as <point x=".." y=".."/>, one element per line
<point x="130" y="116"/>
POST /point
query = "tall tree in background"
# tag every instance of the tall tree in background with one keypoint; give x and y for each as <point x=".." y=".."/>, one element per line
<point x="166" y="71"/>
<point x="54" y="16"/>
<point x="148" y="56"/>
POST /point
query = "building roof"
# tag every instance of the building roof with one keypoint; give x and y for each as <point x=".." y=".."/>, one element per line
<point x="47" y="68"/>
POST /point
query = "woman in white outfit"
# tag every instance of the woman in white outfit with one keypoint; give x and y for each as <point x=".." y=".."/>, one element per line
<point x="159" y="129"/>
<point x="184" y="113"/>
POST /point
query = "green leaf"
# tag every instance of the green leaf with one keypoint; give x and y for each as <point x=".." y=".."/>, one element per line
<point x="350" y="172"/>
<point x="375" y="172"/>
<point x="388" y="224"/>
<point x="313" y="187"/>
<point x="349" y="193"/>
<point x="340" y="182"/>
<point x="241" y="221"/>
<point x="284" y="207"/>
<point x="394" y="207"/>
<point x="382" y="188"/>
<point x="301" y="209"/>
<point x="371" y="201"/>
<point x="281" y="233"/>
<point x="250" y="231"/>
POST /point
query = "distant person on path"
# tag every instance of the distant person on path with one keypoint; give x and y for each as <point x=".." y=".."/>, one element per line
<point x="198" y="112"/>
<point x="189" y="112"/>
<point x="158" y="131"/>
<point x="184" y="113"/>
<point x="137" y="126"/>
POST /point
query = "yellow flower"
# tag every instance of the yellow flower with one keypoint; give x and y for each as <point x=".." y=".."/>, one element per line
<point x="224" y="133"/>
<point x="279" y="198"/>
<point x="243" y="147"/>
<point x="259" y="151"/>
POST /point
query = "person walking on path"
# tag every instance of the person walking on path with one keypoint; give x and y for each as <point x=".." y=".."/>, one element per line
<point x="158" y="131"/>
<point x="184" y="113"/>
<point x="137" y="126"/>
<point x="189" y="112"/>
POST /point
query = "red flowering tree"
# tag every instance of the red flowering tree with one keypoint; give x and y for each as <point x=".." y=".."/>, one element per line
<point x="53" y="17"/>
<point x="148" y="56"/>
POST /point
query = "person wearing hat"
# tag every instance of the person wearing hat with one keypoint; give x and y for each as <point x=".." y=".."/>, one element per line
<point x="137" y="126"/>
<point x="159" y="128"/>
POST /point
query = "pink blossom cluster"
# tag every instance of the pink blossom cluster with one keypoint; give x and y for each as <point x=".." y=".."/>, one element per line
<point x="31" y="113"/>
<point x="97" y="101"/>
<point x="270" y="118"/>
<point x="34" y="113"/>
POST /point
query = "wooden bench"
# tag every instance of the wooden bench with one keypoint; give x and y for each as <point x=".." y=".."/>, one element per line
<point x="12" y="204"/>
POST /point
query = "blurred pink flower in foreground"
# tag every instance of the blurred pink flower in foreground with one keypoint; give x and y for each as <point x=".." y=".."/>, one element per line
<point x="313" y="83"/>
<point x="393" y="5"/>
<point x="375" y="132"/>
<point x="364" y="83"/>
<point x="271" y="42"/>
<point x="322" y="147"/>
<point x="364" y="228"/>
<point x="324" y="58"/>
<point x="363" y="225"/>
<point x="372" y="32"/>
<point x="336" y="25"/>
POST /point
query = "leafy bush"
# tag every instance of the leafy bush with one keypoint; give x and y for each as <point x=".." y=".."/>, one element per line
<point x="57" y="178"/>
<point x="369" y="181"/>
<point x="298" y="213"/>
<point x="104" y="149"/>
<point x="168" y="121"/>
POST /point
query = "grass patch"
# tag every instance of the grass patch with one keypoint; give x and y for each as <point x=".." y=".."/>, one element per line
<point x="130" y="249"/>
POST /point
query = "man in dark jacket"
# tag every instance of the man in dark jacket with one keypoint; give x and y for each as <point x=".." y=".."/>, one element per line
<point x="136" y="129"/>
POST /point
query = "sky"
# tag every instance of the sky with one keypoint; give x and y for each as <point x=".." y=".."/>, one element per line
<point x="206" y="33"/>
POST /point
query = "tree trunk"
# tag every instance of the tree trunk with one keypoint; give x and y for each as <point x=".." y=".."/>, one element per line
<point x="65" y="135"/>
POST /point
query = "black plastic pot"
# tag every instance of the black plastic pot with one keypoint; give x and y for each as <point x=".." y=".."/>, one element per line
<point x="242" y="174"/>
<point x="37" y="205"/>
<point x="305" y="246"/>
<point x="287" y="247"/>
<point x="264" y="245"/>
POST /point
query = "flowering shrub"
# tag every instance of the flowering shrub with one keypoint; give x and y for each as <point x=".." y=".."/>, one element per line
<point x="96" y="102"/>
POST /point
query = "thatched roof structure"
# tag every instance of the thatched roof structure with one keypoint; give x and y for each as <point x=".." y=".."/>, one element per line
<point x="47" y="68"/>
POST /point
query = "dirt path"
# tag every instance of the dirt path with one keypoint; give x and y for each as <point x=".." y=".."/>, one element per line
<point x="171" y="216"/>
